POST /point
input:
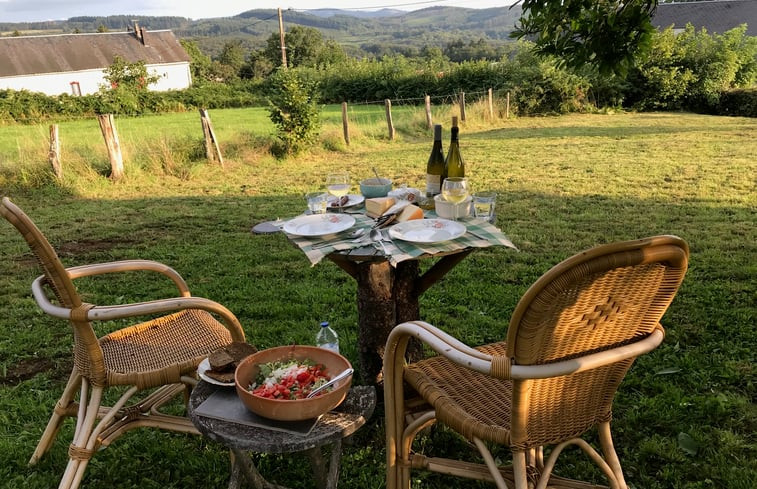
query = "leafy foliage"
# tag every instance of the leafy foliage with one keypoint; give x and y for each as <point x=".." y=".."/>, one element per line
<point x="131" y="76"/>
<point x="739" y="102"/>
<point x="608" y="34"/>
<point x="293" y="111"/>
<point x="691" y="70"/>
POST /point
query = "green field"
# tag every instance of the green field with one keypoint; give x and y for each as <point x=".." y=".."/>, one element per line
<point x="684" y="418"/>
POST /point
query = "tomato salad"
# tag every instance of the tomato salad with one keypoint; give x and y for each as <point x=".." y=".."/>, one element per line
<point x="288" y="380"/>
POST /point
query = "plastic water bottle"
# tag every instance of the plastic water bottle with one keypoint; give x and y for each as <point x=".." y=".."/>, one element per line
<point x="327" y="338"/>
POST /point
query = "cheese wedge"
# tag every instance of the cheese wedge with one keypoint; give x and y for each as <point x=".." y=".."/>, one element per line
<point x="377" y="206"/>
<point x="409" y="213"/>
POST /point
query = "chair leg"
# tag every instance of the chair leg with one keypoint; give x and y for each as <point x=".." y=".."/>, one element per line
<point x="79" y="452"/>
<point x="611" y="457"/>
<point x="60" y="412"/>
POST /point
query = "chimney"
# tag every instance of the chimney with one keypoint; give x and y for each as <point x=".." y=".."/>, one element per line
<point x="143" y="35"/>
<point x="138" y="32"/>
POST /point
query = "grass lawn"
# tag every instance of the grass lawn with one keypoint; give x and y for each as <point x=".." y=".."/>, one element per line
<point x="684" y="418"/>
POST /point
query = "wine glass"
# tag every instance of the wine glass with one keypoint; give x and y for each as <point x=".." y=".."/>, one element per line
<point x="455" y="190"/>
<point x="338" y="185"/>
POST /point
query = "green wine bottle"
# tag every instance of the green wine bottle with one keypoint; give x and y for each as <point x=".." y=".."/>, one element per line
<point x="454" y="165"/>
<point x="435" y="165"/>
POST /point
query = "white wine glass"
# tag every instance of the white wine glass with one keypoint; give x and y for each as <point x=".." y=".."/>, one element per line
<point x="455" y="190"/>
<point x="338" y="185"/>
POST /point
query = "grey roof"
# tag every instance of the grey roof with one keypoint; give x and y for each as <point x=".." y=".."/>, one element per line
<point x="716" y="17"/>
<point x="73" y="52"/>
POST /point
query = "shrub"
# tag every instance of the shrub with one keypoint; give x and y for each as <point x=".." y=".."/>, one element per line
<point x="690" y="70"/>
<point x="293" y="111"/>
<point x="742" y="102"/>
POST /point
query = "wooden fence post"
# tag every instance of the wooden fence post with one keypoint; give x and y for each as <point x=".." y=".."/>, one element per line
<point x="345" y="124"/>
<point x="507" y="106"/>
<point x="54" y="153"/>
<point x="491" y="106"/>
<point x="388" y="105"/>
<point x="429" y="122"/>
<point x="462" y="106"/>
<point x="110" y="135"/>
<point x="212" y="150"/>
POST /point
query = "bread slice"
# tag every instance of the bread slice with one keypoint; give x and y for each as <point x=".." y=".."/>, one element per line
<point x="223" y="361"/>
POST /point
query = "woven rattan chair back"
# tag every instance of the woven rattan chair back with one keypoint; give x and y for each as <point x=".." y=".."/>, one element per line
<point x="600" y="299"/>
<point x="47" y="258"/>
<point x="88" y="355"/>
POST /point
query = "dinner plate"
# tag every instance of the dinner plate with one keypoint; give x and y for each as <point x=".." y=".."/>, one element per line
<point x="427" y="230"/>
<point x="352" y="201"/>
<point x="319" y="224"/>
<point x="203" y="367"/>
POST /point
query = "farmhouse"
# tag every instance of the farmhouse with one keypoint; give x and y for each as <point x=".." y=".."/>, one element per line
<point x="717" y="16"/>
<point x="74" y="63"/>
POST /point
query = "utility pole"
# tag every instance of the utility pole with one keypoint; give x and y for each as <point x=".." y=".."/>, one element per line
<point x="283" y="45"/>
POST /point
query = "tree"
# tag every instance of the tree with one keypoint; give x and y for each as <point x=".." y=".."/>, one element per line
<point x="129" y="76"/>
<point x="200" y="63"/>
<point x="258" y="66"/>
<point x="232" y="57"/>
<point x="606" y="33"/>
<point x="303" y="47"/>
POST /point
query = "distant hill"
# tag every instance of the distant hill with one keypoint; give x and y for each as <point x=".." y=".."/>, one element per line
<point x="354" y="29"/>
<point x="361" y="14"/>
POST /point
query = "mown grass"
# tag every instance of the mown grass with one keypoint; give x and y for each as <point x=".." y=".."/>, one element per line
<point x="684" y="418"/>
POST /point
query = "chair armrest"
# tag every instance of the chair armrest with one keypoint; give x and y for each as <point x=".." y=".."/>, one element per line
<point x="465" y="356"/>
<point x="106" y="313"/>
<point x="439" y="341"/>
<point x="128" y="266"/>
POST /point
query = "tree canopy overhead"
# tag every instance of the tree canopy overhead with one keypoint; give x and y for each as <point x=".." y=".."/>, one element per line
<point x="605" y="33"/>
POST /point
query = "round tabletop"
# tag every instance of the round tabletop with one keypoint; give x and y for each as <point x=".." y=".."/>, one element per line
<point x="357" y="407"/>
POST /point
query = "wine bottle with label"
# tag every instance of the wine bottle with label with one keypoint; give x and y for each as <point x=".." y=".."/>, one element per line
<point x="435" y="165"/>
<point x="454" y="165"/>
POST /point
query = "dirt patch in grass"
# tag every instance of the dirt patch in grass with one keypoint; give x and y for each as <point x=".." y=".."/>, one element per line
<point x="29" y="367"/>
<point x="75" y="248"/>
<point x="87" y="246"/>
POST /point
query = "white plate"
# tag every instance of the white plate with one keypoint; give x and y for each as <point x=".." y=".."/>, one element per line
<point x="203" y="367"/>
<point x="353" y="201"/>
<point x="427" y="230"/>
<point x="319" y="224"/>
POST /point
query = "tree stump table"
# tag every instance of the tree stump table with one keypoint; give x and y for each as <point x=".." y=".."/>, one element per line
<point x="386" y="296"/>
<point x="242" y="439"/>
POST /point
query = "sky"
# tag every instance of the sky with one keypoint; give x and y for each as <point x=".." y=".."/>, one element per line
<point x="40" y="10"/>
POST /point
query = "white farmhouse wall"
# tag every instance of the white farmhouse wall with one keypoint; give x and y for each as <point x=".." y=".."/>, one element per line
<point x="174" y="76"/>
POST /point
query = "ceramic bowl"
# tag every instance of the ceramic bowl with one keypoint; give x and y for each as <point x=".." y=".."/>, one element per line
<point x="448" y="210"/>
<point x="375" y="187"/>
<point x="299" y="409"/>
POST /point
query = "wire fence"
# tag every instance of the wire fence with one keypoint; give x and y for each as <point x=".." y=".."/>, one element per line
<point x="377" y="119"/>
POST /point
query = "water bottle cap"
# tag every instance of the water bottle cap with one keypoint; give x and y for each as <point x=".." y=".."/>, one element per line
<point x="325" y="324"/>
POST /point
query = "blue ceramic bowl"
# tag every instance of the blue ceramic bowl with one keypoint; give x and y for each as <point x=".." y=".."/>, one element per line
<point x="375" y="187"/>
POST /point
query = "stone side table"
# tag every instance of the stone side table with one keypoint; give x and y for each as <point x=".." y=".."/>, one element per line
<point x="241" y="439"/>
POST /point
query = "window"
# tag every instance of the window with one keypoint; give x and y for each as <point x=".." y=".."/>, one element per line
<point x="75" y="88"/>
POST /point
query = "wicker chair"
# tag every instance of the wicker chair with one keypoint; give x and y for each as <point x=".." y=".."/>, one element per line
<point x="159" y="355"/>
<point x="572" y="338"/>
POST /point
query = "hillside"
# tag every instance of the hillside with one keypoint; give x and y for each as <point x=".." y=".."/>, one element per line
<point x="433" y="26"/>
